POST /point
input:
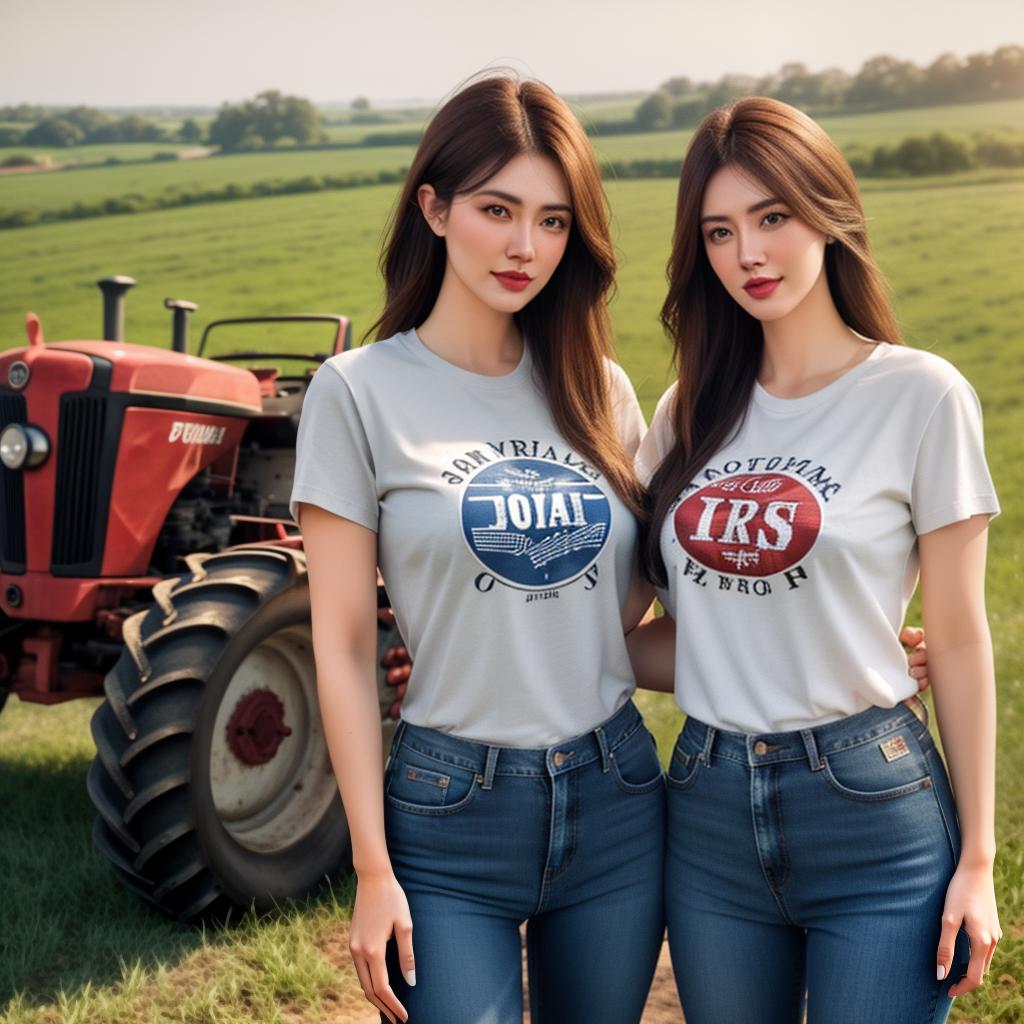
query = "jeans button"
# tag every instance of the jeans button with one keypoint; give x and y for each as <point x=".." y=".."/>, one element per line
<point x="559" y="759"/>
<point x="760" y="748"/>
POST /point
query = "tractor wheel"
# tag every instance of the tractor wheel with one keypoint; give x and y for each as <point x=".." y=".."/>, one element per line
<point x="212" y="779"/>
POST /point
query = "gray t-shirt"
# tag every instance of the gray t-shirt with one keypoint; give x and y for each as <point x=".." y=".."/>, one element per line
<point x="507" y="557"/>
<point x="792" y="555"/>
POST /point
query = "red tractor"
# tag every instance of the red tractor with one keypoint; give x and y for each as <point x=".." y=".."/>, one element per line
<point x="147" y="555"/>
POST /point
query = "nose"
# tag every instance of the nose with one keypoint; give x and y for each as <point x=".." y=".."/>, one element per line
<point x="520" y="243"/>
<point x="751" y="252"/>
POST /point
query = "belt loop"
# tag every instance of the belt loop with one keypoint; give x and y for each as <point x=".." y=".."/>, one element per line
<point x="489" y="768"/>
<point x="602" y="742"/>
<point x="709" y="739"/>
<point x="811" y="746"/>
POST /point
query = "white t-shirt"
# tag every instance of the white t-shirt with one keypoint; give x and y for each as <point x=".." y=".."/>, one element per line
<point x="792" y="556"/>
<point x="507" y="557"/>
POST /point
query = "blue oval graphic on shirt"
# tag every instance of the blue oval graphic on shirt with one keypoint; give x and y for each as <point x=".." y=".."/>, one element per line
<point x="534" y="524"/>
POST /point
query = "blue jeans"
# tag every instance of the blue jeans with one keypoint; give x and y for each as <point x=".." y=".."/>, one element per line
<point x="569" y="838"/>
<point x="811" y="864"/>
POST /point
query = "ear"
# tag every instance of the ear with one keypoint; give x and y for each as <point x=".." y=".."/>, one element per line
<point x="434" y="211"/>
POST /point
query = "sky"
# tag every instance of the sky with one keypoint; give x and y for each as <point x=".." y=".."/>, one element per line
<point x="205" y="52"/>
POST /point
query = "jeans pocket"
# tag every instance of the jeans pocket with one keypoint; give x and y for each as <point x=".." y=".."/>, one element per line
<point x="687" y="759"/>
<point x="635" y="765"/>
<point x="419" y="785"/>
<point x="884" y="768"/>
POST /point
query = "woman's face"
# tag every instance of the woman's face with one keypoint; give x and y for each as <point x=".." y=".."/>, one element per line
<point x="505" y="238"/>
<point x="767" y="259"/>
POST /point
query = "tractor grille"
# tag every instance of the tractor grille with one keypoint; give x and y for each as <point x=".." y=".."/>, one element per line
<point x="79" y="450"/>
<point x="12" y="494"/>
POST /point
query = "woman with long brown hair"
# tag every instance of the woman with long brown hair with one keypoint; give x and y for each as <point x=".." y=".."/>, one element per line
<point x="481" y="453"/>
<point x="804" y="469"/>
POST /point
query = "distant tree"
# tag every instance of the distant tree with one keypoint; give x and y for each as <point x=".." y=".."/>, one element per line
<point x="301" y="121"/>
<point x="885" y="82"/>
<point x="1008" y="71"/>
<point x="11" y="136"/>
<point x="269" y="117"/>
<point x="53" y="131"/>
<point x="688" y="111"/>
<point x="731" y="87"/>
<point x="681" y="86"/>
<point x="90" y="120"/>
<point x="230" y="127"/>
<point x="942" y="79"/>
<point x="190" y="131"/>
<point x="360" y="103"/>
<point x="654" y="112"/>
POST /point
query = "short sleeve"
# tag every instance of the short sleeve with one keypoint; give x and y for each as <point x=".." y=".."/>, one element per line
<point x="951" y="478"/>
<point x="658" y="440"/>
<point x="333" y="463"/>
<point x="629" y="417"/>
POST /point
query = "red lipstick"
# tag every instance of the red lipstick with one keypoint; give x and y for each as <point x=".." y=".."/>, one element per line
<point x="512" y="280"/>
<point x="761" y="287"/>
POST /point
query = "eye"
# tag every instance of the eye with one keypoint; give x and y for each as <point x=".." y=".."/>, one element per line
<point x="774" y="218"/>
<point x="496" y="210"/>
<point x="718" y="234"/>
<point x="556" y="222"/>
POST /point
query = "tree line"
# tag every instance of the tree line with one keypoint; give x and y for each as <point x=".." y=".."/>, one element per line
<point x="935" y="154"/>
<point x="882" y="83"/>
<point x="263" y="121"/>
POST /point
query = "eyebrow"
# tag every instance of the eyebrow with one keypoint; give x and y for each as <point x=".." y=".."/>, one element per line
<point x="516" y="201"/>
<point x="763" y="204"/>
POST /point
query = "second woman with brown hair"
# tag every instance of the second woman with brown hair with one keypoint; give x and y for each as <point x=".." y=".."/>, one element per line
<point x="804" y="469"/>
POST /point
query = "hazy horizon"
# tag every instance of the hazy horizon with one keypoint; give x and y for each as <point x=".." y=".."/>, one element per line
<point x="112" y="53"/>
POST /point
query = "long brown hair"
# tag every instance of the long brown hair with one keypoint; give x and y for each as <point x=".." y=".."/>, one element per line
<point x="718" y="345"/>
<point x="481" y="128"/>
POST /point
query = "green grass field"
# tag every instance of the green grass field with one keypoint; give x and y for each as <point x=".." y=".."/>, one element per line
<point x="71" y="942"/>
<point x="57" y="190"/>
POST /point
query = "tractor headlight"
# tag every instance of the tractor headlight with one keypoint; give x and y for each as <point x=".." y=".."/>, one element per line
<point x="23" y="447"/>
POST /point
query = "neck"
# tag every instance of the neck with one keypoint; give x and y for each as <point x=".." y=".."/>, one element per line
<point x="467" y="332"/>
<point x="810" y="347"/>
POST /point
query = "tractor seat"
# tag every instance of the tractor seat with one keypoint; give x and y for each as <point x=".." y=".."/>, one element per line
<point x="266" y="375"/>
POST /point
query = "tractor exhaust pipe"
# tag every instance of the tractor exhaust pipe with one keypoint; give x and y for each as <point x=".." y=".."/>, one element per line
<point x="179" y="325"/>
<point x="114" y="289"/>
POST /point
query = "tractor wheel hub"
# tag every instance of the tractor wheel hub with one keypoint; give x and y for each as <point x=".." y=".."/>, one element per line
<point x="256" y="727"/>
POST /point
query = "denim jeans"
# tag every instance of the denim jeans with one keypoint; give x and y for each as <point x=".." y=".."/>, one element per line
<point x="811" y="864"/>
<point x="569" y="839"/>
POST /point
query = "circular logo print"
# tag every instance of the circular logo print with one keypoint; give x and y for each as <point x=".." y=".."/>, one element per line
<point x="750" y="524"/>
<point x="534" y="524"/>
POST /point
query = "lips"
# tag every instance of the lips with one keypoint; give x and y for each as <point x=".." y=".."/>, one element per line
<point x="512" y="280"/>
<point x="761" y="287"/>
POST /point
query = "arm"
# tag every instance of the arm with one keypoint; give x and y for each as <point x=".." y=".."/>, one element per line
<point x="652" y="652"/>
<point x="963" y="680"/>
<point x="342" y="560"/>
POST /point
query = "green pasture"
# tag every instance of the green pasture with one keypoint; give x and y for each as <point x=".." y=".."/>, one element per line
<point x="56" y="190"/>
<point x="73" y="946"/>
<point x="95" y="152"/>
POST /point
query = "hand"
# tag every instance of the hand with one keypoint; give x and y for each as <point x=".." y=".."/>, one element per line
<point x="912" y="638"/>
<point x="398" y="663"/>
<point x="381" y="910"/>
<point x="970" y="902"/>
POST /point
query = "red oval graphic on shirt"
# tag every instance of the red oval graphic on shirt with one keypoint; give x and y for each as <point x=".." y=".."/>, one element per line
<point x="750" y="524"/>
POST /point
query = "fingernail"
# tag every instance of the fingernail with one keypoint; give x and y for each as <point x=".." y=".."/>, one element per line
<point x="940" y="972"/>
<point x="410" y="978"/>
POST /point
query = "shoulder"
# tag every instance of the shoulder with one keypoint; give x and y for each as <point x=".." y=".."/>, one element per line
<point x="367" y="364"/>
<point x="920" y="373"/>
<point x="619" y="384"/>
